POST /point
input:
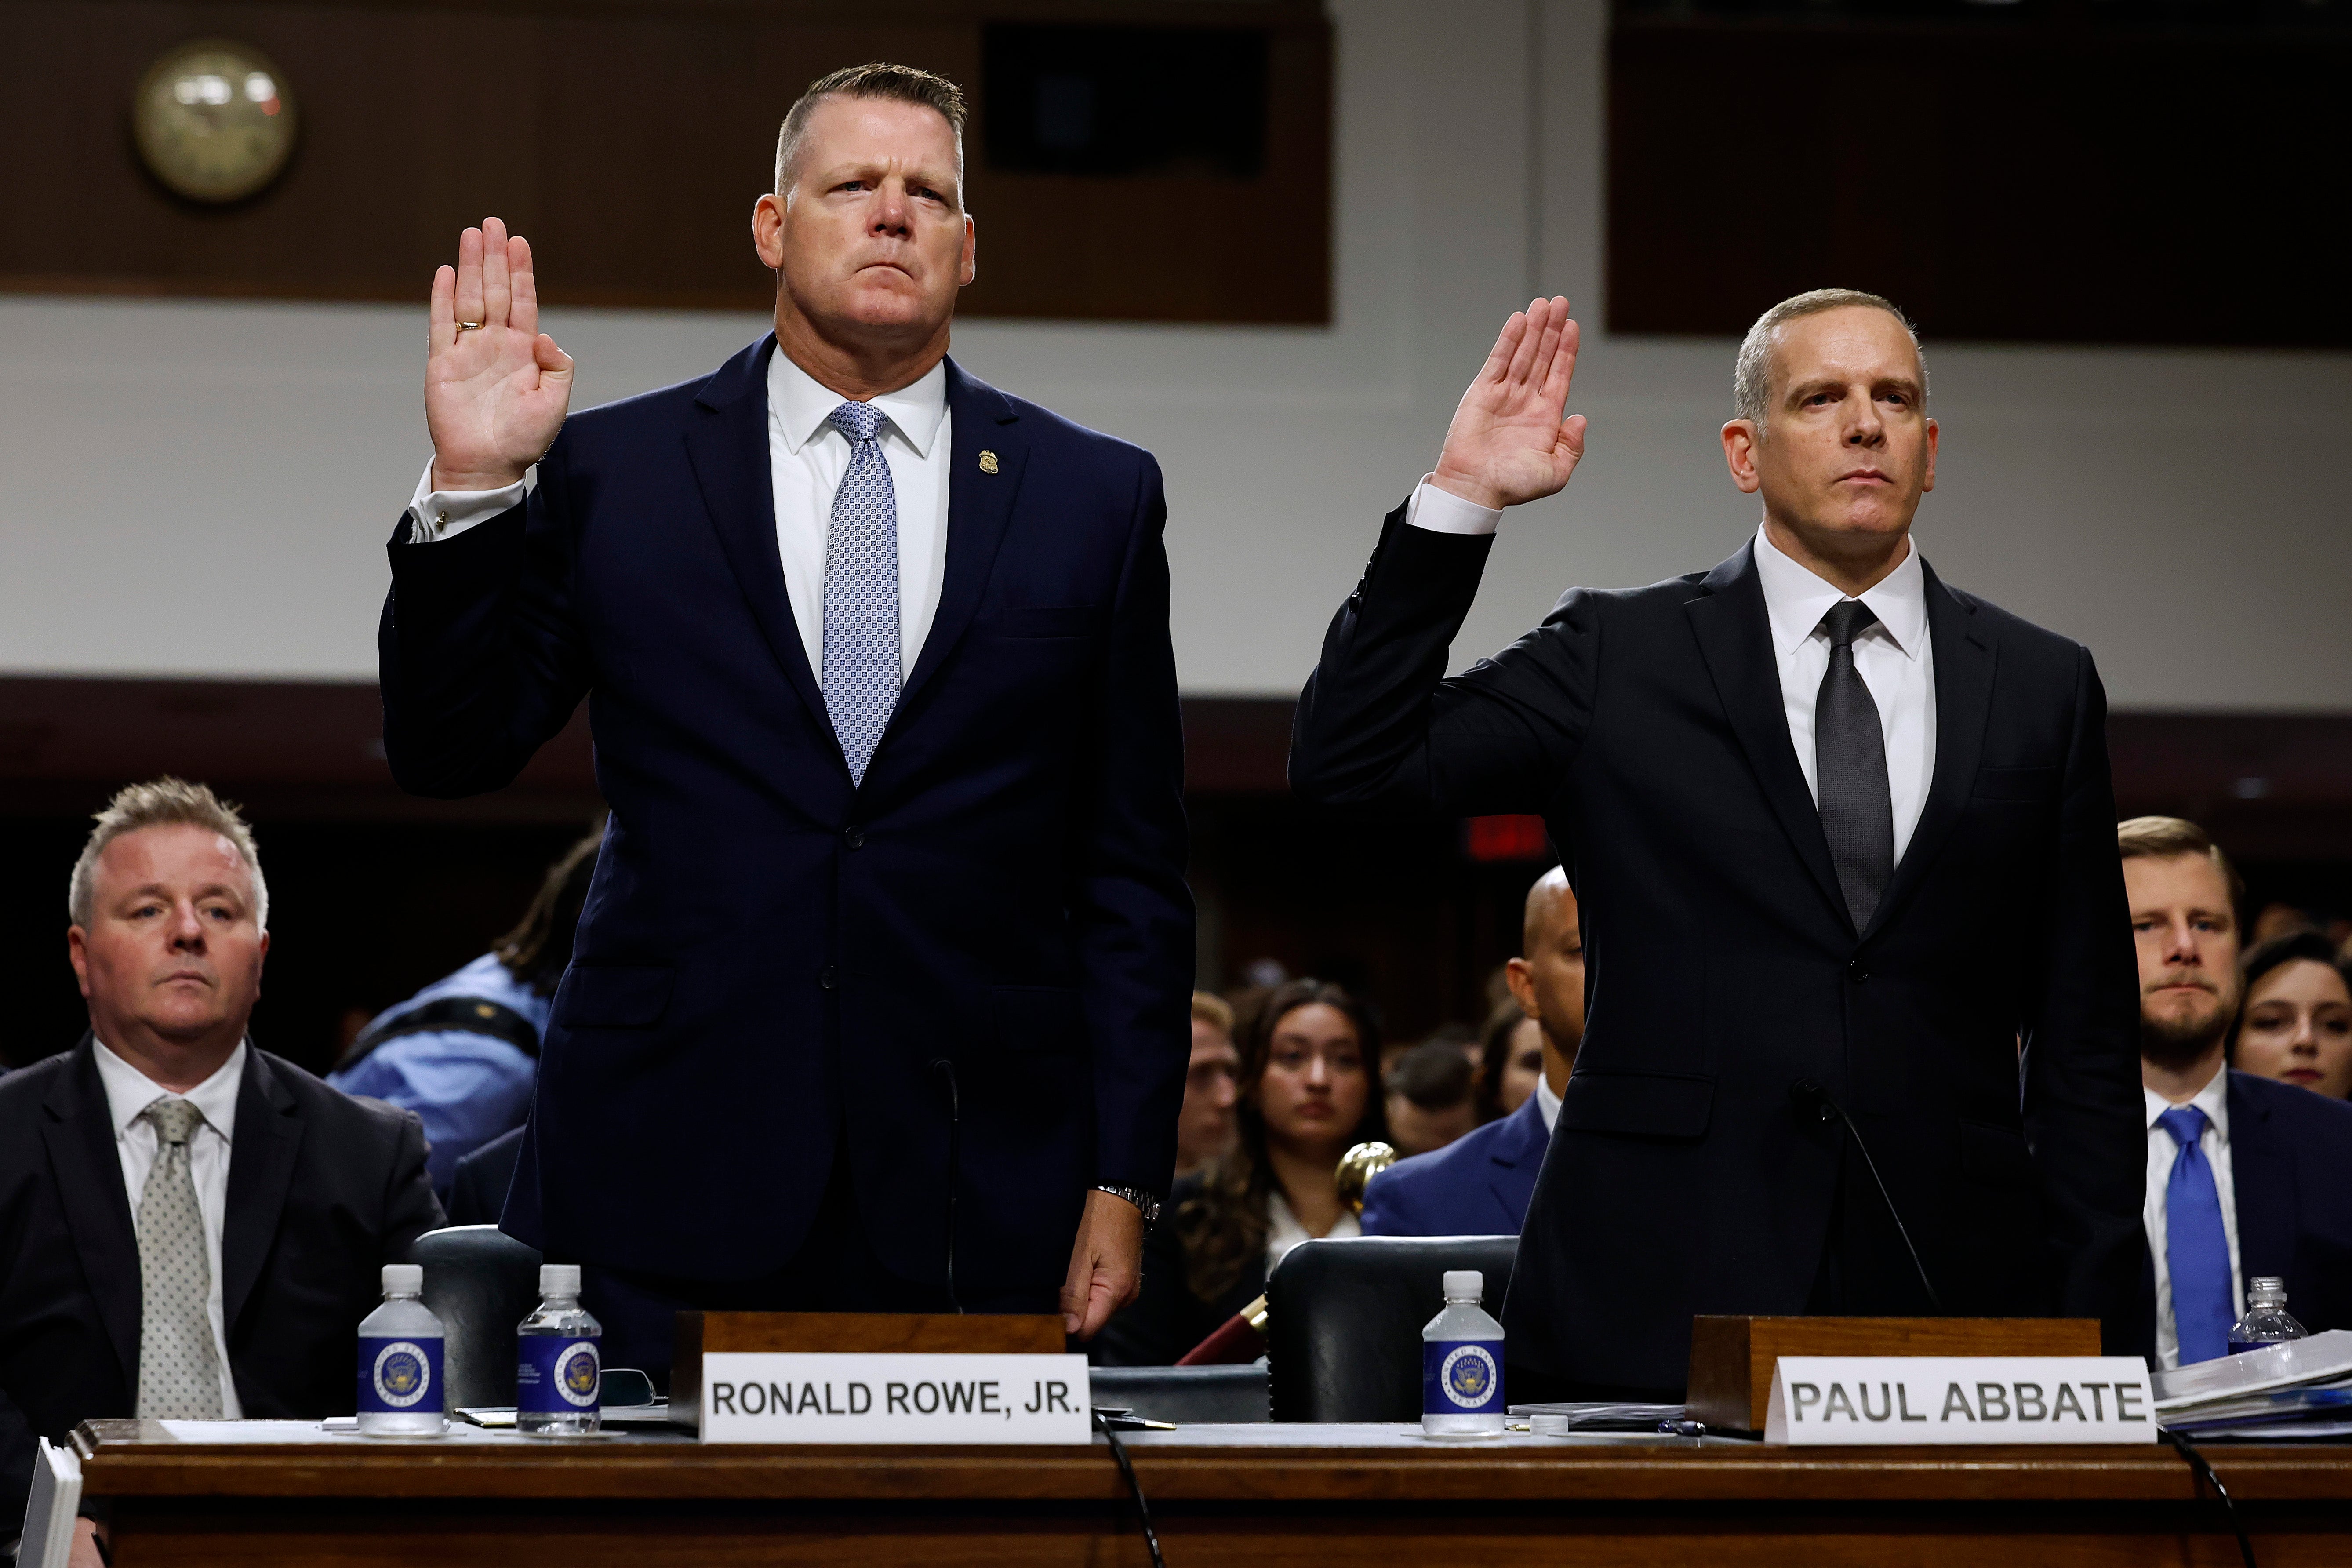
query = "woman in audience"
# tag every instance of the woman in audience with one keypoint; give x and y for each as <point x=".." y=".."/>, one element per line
<point x="2296" y="1025"/>
<point x="1510" y="1060"/>
<point x="1306" y="1096"/>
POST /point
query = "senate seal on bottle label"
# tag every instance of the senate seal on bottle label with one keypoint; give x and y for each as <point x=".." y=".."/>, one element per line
<point x="1460" y="1377"/>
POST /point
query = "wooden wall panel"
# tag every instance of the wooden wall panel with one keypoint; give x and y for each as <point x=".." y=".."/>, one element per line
<point x="628" y="140"/>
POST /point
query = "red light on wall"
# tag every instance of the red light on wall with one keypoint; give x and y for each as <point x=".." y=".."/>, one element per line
<point x="1506" y="839"/>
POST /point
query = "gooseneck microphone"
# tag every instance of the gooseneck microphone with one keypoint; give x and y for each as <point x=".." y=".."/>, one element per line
<point x="944" y="1070"/>
<point x="1812" y="1099"/>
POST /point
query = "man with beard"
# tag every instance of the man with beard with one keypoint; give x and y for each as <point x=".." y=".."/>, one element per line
<point x="2246" y="1177"/>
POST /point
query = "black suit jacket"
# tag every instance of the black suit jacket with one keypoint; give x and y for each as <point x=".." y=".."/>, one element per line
<point x="2291" y="1168"/>
<point x="323" y="1190"/>
<point x="1647" y="727"/>
<point x="772" y="960"/>
<point x="479" y="1186"/>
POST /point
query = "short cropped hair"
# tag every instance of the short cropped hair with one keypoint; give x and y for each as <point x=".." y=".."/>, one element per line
<point x="2163" y="838"/>
<point x="163" y="803"/>
<point x="876" y="79"/>
<point x="1751" y="379"/>
<point x="1214" y="1011"/>
<point x="1434" y="1074"/>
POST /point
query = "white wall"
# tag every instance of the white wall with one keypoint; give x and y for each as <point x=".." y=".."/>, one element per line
<point x="200" y="488"/>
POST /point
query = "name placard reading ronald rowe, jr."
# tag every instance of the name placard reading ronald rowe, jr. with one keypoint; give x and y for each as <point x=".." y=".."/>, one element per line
<point x="775" y="1396"/>
<point x="1933" y="1400"/>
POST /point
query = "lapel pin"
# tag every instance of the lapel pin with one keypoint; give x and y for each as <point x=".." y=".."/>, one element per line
<point x="987" y="462"/>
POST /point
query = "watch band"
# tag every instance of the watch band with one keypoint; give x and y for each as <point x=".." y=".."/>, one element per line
<point x="1148" y="1203"/>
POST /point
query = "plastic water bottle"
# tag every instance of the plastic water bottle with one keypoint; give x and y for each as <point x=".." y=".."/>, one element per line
<point x="401" y="1391"/>
<point x="1462" y="1363"/>
<point x="560" y="1379"/>
<point x="2266" y="1321"/>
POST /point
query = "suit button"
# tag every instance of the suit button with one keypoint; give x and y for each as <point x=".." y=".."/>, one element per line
<point x="853" y="837"/>
<point x="1856" y="973"/>
<point x="829" y="977"/>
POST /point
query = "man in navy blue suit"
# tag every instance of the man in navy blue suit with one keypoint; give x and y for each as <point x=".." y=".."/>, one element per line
<point x="880" y="1000"/>
<point x="1479" y="1185"/>
<point x="2246" y="1176"/>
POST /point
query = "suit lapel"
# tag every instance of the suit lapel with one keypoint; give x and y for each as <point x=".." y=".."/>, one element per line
<point x="2265" y="1196"/>
<point x="260" y="1169"/>
<point x="980" y="510"/>
<point x="79" y="1130"/>
<point x="728" y="445"/>
<point x="1964" y="657"/>
<point x="1734" y="637"/>
<point x="1516" y="1156"/>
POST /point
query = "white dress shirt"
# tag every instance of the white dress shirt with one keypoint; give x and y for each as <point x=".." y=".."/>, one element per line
<point x="807" y="459"/>
<point x="1547" y="1103"/>
<point x="1894" y="655"/>
<point x="2213" y="1099"/>
<point x="130" y="1091"/>
<point x="1284" y="1231"/>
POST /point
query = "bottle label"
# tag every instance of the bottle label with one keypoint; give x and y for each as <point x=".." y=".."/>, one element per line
<point x="558" y="1375"/>
<point x="400" y="1374"/>
<point x="1461" y="1377"/>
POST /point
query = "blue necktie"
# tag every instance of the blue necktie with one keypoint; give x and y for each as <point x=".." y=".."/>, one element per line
<point x="2196" y="1249"/>
<point x="861" y="592"/>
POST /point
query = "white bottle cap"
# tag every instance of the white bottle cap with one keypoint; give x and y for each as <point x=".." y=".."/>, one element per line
<point x="404" y="1279"/>
<point x="559" y="1279"/>
<point x="1464" y="1284"/>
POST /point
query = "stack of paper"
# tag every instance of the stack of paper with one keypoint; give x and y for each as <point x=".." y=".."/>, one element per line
<point x="2300" y="1389"/>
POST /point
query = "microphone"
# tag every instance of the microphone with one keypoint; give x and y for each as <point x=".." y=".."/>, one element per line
<point x="944" y="1070"/>
<point x="1812" y="1099"/>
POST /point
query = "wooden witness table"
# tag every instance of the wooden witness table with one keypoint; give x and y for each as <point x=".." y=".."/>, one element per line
<point x="287" y="1493"/>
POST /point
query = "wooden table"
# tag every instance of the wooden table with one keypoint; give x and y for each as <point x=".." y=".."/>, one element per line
<point x="1314" y="1497"/>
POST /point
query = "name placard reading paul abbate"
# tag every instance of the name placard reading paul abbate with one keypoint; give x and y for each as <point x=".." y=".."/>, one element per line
<point x="1937" y="1400"/>
<point x="776" y="1396"/>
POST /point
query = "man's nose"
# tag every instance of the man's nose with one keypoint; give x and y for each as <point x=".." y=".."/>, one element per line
<point x="1865" y="427"/>
<point x="891" y="210"/>
<point x="188" y="929"/>
<point x="2180" y="944"/>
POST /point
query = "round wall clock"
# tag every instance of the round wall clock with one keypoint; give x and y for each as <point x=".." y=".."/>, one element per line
<point x="215" y="120"/>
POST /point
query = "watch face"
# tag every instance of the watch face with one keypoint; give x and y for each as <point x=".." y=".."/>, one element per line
<point x="215" y="120"/>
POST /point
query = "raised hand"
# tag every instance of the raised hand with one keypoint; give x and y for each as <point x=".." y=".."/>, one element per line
<point x="495" y="395"/>
<point x="1508" y="443"/>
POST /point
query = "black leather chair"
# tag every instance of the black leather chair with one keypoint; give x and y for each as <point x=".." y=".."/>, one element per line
<point x="1344" y="1320"/>
<point x="480" y="1282"/>
<point x="1182" y="1393"/>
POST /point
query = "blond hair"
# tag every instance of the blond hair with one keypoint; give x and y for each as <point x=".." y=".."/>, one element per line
<point x="2163" y="838"/>
<point x="876" y="78"/>
<point x="1212" y="1010"/>
<point x="163" y="803"/>
<point x="1752" y="377"/>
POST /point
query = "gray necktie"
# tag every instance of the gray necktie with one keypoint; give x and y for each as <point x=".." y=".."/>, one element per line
<point x="1850" y="770"/>
<point x="861" y="592"/>
<point x="179" y="1371"/>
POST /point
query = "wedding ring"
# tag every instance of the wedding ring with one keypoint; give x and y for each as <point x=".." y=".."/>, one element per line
<point x="469" y="326"/>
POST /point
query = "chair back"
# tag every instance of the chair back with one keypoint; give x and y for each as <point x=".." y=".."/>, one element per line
<point x="1344" y="1319"/>
<point x="1182" y="1393"/>
<point x="480" y="1282"/>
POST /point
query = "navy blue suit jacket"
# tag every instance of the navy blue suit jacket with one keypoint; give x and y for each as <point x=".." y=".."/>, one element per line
<point x="1478" y="1184"/>
<point x="2291" y="1165"/>
<point x="771" y="961"/>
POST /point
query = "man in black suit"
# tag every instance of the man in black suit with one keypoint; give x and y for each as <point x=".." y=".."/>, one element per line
<point x="1799" y="795"/>
<point x="192" y="1227"/>
<point x="889" y="940"/>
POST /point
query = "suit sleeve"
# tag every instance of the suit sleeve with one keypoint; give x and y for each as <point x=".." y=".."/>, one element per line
<point x="1380" y="727"/>
<point x="1388" y="1206"/>
<point x="2084" y="1110"/>
<point x="1133" y="911"/>
<point x="477" y="653"/>
<point x="409" y="1209"/>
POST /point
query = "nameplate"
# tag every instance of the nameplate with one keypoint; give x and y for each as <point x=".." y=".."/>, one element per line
<point x="792" y="1397"/>
<point x="1848" y="1401"/>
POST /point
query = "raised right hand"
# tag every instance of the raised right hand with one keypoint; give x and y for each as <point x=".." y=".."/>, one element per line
<point x="1508" y="443"/>
<point x="495" y="396"/>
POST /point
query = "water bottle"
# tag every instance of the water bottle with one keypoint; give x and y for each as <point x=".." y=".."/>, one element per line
<point x="560" y="1379"/>
<point x="401" y="1391"/>
<point x="2266" y="1321"/>
<point x="1462" y="1363"/>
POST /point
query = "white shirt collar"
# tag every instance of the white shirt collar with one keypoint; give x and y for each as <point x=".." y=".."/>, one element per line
<point x="799" y="404"/>
<point x="2213" y="1099"/>
<point x="1547" y="1102"/>
<point x="1796" y="600"/>
<point x="130" y="1091"/>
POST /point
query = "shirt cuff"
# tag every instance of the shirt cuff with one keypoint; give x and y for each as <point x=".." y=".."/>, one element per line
<point x="1442" y="511"/>
<point x="434" y="515"/>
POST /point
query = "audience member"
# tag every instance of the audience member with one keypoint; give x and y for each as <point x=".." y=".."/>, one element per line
<point x="462" y="1053"/>
<point x="1430" y="1097"/>
<point x="189" y="1225"/>
<point x="1510" y="1061"/>
<point x="2296" y="1026"/>
<point x="1306" y="1096"/>
<point x="1480" y="1184"/>
<point x="1204" y="1127"/>
<point x="1459" y="1038"/>
<point x="2245" y="1176"/>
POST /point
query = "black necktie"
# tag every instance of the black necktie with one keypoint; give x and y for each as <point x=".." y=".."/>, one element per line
<point x="1850" y="770"/>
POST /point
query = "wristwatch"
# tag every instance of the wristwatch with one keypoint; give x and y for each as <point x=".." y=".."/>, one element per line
<point x="1146" y="1203"/>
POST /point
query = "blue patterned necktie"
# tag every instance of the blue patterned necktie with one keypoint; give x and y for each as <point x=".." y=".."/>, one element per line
<point x="861" y="592"/>
<point x="2196" y="1249"/>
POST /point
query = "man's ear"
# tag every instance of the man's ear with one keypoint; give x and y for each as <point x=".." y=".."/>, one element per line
<point x="767" y="230"/>
<point x="77" y="954"/>
<point x="970" y="267"/>
<point x="1740" y="439"/>
<point x="1522" y="982"/>
<point x="1932" y="434"/>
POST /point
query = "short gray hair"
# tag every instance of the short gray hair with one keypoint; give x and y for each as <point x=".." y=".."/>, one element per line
<point x="876" y="78"/>
<point x="1751" y="381"/>
<point x="163" y="803"/>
